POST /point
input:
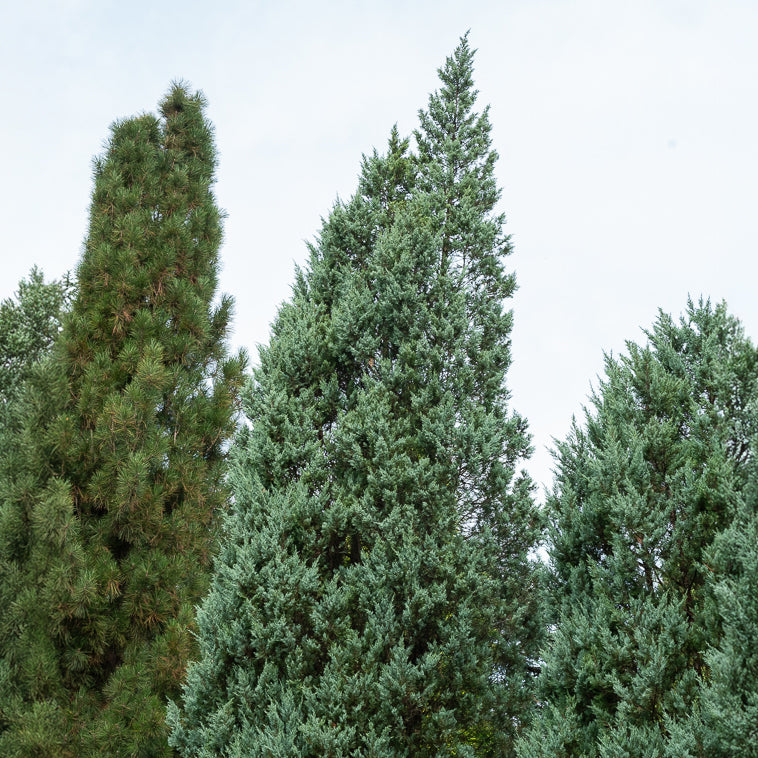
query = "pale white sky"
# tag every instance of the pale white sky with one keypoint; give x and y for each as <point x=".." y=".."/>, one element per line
<point x="626" y="133"/>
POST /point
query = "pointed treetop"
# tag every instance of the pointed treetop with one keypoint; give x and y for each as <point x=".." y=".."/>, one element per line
<point x="450" y="107"/>
<point x="457" y="74"/>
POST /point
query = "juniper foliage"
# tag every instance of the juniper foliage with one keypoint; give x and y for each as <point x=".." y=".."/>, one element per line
<point x="643" y="490"/>
<point x="368" y="599"/>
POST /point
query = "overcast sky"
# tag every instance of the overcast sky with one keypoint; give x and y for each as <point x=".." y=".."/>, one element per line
<point x="627" y="134"/>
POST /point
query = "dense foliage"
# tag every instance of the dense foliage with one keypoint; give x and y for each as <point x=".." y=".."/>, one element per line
<point x="108" y="521"/>
<point x="29" y="325"/>
<point x="729" y="705"/>
<point x="374" y="590"/>
<point x="354" y="570"/>
<point x="643" y="490"/>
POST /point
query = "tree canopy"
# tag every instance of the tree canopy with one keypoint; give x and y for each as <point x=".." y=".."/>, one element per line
<point x="643" y="490"/>
<point x="108" y="523"/>
<point x="373" y="593"/>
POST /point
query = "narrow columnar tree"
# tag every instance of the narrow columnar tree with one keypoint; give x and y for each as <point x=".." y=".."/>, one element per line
<point x="457" y="171"/>
<point x="358" y="604"/>
<point x="109" y="533"/>
<point x="643" y="489"/>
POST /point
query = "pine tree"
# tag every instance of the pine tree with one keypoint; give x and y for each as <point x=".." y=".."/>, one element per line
<point x="29" y="327"/>
<point x="642" y="491"/>
<point x="357" y="606"/>
<point x="33" y="533"/>
<point x="108" y="532"/>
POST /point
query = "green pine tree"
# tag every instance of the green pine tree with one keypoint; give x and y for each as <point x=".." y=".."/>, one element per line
<point x="107" y="533"/>
<point x="29" y="326"/>
<point x="357" y="606"/>
<point x="642" y="491"/>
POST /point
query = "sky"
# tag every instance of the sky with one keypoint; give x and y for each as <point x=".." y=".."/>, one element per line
<point x="626" y="134"/>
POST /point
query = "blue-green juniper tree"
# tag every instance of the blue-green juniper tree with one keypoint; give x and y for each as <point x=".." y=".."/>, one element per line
<point x="374" y="594"/>
<point x="644" y="488"/>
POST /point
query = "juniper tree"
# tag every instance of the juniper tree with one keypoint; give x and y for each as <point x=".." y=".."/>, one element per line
<point x="357" y="607"/>
<point x="643" y="489"/>
<point x="457" y="172"/>
<point x="726" y="723"/>
<point x="29" y="325"/>
<point x="108" y="532"/>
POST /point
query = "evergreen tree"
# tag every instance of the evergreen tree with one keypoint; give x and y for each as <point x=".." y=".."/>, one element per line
<point x="642" y="491"/>
<point x="107" y="532"/>
<point x="357" y="605"/>
<point x="726" y="724"/>
<point x="456" y="170"/>
<point x="29" y="325"/>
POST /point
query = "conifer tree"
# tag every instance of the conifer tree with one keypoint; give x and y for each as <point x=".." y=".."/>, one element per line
<point x="107" y="533"/>
<point x="643" y="489"/>
<point x="457" y="172"/>
<point x="726" y="724"/>
<point x="357" y="607"/>
<point x="29" y="325"/>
